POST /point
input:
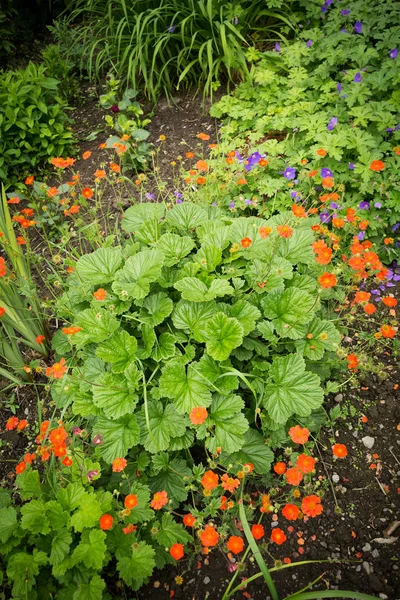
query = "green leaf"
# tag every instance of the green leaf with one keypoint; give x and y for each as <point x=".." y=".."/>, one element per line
<point x="100" y="266"/>
<point x="172" y="479"/>
<point x="88" y="513"/>
<point x="58" y="518"/>
<point x="90" y="591"/>
<point x="209" y="257"/>
<point x="195" y="290"/>
<point x="91" y="550"/>
<point x="119" y="350"/>
<point x="114" y="396"/>
<point x="186" y="388"/>
<point x="229" y="422"/>
<point x="255" y="451"/>
<point x="223" y="334"/>
<point x="29" y="484"/>
<point x="118" y="436"/>
<point x="191" y="317"/>
<point x="244" y="312"/>
<point x="290" y="311"/>
<point x="290" y="389"/>
<point x="8" y="523"/>
<point x="97" y="325"/>
<point x="174" y="247"/>
<point x="142" y="512"/>
<point x="324" y="337"/>
<point x="140" y="270"/>
<point x="164" y="423"/>
<point x="70" y="497"/>
<point x="138" y="214"/>
<point x="186" y="216"/>
<point x="155" y="309"/>
<point x="135" y="569"/>
<point x="297" y="248"/>
<point x="214" y="373"/>
<point x="60" y="546"/>
<point x="34" y="517"/>
<point x="171" y="532"/>
<point x="22" y="569"/>
<point x="164" y="348"/>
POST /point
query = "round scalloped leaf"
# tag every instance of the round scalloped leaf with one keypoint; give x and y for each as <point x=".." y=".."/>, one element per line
<point x="133" y="281"/>
<point x="290" y="311"/>
<point x="117" y="436"/>
<point x="138" y="214"/>
<point x="187" y="388"/>
<point x="100" y="266"/>
<point x="186" y="216"/>
<point x="223" y="334"/>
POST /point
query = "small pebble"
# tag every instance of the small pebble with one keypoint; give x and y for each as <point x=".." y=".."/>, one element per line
<point x="206" y="580"/>
<point x="375" y="553"/>
<point x="335" y="478"/>
<point x="368" y="441"/>
<point x="366" y="567"/>
<point x="383" y="596"/>
<point x="339" y="398"/>
<point x="366" y="547"/>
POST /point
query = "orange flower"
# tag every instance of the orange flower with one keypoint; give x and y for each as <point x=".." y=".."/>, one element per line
<point x="22" y="424"/>
<point x="327" y="280"/>
<point x="40" y="339"/>
<point x="284" y="231"/>
<point x="305" y="463"/>
<point x="67" y="462"/>
<point x="201" y="165"/>
<point x="229" y="484"/>
<point x="389" y="301"/>
<point x="100" y="294"/>
<point x="324" y="256"/>
<point x="213" y="146"/>
<point x="311" y="506"/>
<point x="201" y="180"/>
<point x="198" y="415"/>
<point x="131" y="501"/>
<point x="189" y="154"/>
<point x="74" y="209"/>
<point x="322" y="152"/>
<point x="257" y="531"/>
<point x="328" y="182"/>
<point x="62" y="163"/>
<point x="119" y="464"/>
<point x="299" y="434"/>
<point x="246" y="242"/>
<point x="209" y="537"/>
<point x="29" y="458"/>
<point x="114" y="167"/>
<point x="20" y="240"/>
<point x="71" y="330"/>
<point x="353" y="361"/>
<point x="293" y="476"/>
<point x="53" y="191"/>
<point x="299" y="211"/>
<point x="58" y="436"/>
<point x="12" y="423"/>
<point x="241" y="181"/>
<point x="280" y="468"/>
<point x="87" y="192"/>
<point x="86" y="155"/>
<point x="106" y="522"/>
<point x="377" y="165"/>
<point x="369" y="308"/>
<point x="20" y="468"/>
<point x="203" y="136"/>
<point x="263" y="162"/>
<point x="235" y="544"/>
<point x="57" y="370"/>
<point x="2" y="311"/>
<point x="264" y="231"/>
<point x="29" y="180"/>
<point x="278" y="536"/>
<point x="387" y="331"/>
<point x="28" y="212"/>
<point x="312" y="173"/>
<point x="129" y="529"/>
<point x="339" y="450"/>
<point x="290" y="512"/>
<point x="14" y="200"/>
<point x="159" y="500"/>
<point x="209" y="481"/>
<point x="361" y="297"/>
<point x="189" y="520"/>
<point x="177" y="551"/>
<point x="100" y="174"/>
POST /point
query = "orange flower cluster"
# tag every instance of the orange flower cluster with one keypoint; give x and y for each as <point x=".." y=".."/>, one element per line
<point x="62" y="163"/>
<point x="364" y="261"/>
<point x="15" y="423"/>
<point x="322" y="251"/>
<point x="3" y="268"/>
<point x="58" y="370"/>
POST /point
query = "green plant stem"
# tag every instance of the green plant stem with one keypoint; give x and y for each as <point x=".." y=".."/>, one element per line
<point x="334" y="594"/>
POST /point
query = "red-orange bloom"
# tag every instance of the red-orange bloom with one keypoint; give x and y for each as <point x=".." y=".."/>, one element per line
<point x="131" y="501"/>
<point x="159" y="500"/>
<point x="99" y="173"/>
<point x="22" y="424"/>
<point x="299" y="434"/>
<point x="389" y="301"/>
<point x="387" y="331"/>
<point x="284" y="231"/>
<point x="361" y="297"/>
<point x="201" y="180"/>
<point x="62" y="163"/>
<point x="201" y="165"/>
<point x="280" y="468"/>
<point x="29" y="458"/>
<point x="20" y="468"/>
<point x="290" y="512"/>
<point x="229" y="483"/>
<point x="209" y="537"/>
<point x="40" y="339"/>
<point x="67" y="462"/>
<point x="241" y="181"/>
<point x="264" y="231"/>
<point x="198" y="415"/>
<point x="246" y="242"/>
<point x="369" y="308"/>
<point x="352" y="361"/>
<point x="86" y="155"/>
<point x="177" y="551"/>
<point x="322" y="152"/>
<point x="189" y="520"/>
<point x="57" y="370"/>
<point x="189" y="154"/>
<point x="203" y="136"/>
<point x="129" y="529"/>
<point x="100" y="294"/>
<point x="299" y="211"/>
<point x="106" y="522"/>
<point x="114" y="167"/>
<point x="377" y="165"/>
<point x="305" y="463"/>
<point x="210" y="480"/>
<point x="327" y="280"/>
<point x="257" y="531"/>
<point x="338" y="222"/>
<point x="58" y="436"/>
<point x="235" y="544"/>
<point x="311" y="506"/>
<point x="119" y="464"/>
<point x="87" y="192"/>
<point x="339" y="450"/>
<point x="293" y="476"/>
<point x="278" y="536"/>
<point x="14" y="200"/>
<point x="12" y="423"/>
<point x="71" y="330"/>
<point x="29" y="180"/>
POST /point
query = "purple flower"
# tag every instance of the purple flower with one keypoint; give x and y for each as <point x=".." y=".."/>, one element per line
<point x="333" y="205"/>
<point x="389" y="129"/>
<point x="358" y="27"/>
<point x="171" y="28"/>
<point x="235" y="21"/>
<point x="253" y="160"/>
<point x="395" y="227"/>
<point x="361" y="235"/>
<point x="179" y="201"/>
<point x="393" y="53"/>
<point x="357" y="78"/>
<point x="277" y="47"/>
<point x="309" y="44"/>
<point x="150" y="196"/>
<point x="326" y="173"/>
<point x="91" y="474"/>
<point x="339" y="87"/>
<point x="239" y="156"/>
<point x="293" y="194"/>
<point x="332" y="124"/>
<point x="289" y="173"/>
<point x="114" y="108"/>
<point x="247" y="201"/>
<point x="378" y="205"/>
<point x="214" y="204"/>
<point x="364" y="205"/>
<point x="324" y="217"/>
<point x="177" y="194"/>
<point x="344" y="31"/>
<point x="232" y="205"/>
<point x="351" y="166"/>
<point x="345" y="12"/>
